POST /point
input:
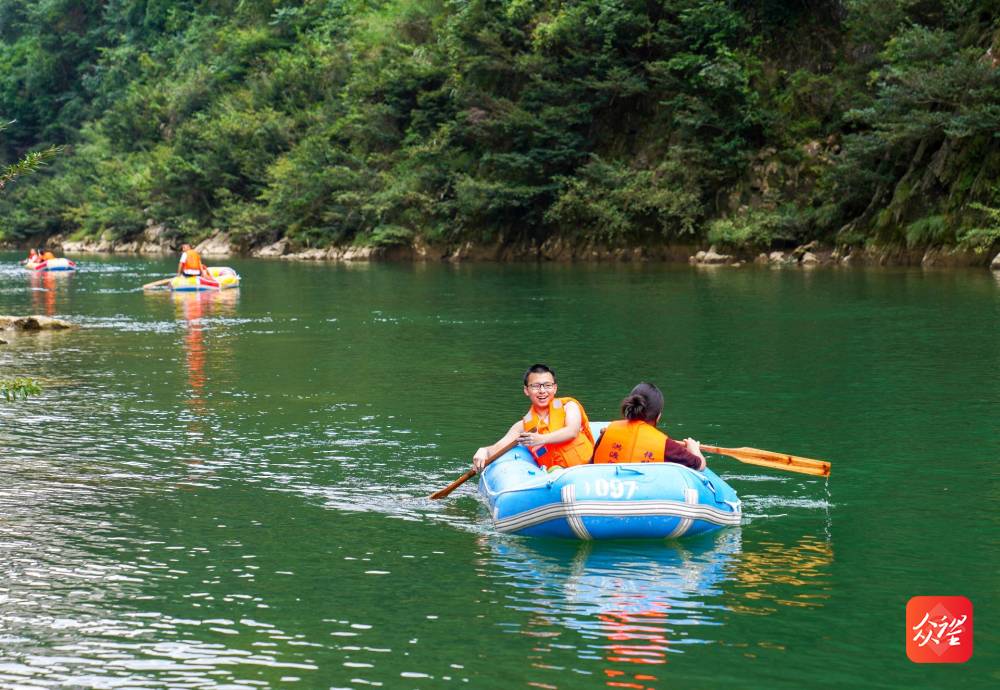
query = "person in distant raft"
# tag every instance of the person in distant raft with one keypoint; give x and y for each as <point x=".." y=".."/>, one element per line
<point x="561" y="431"/>
<point x="190" y="263"/>
<point x="636" y="438"/>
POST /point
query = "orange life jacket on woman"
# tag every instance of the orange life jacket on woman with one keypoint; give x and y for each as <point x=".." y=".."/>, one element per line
<point x="630" y="441"/>
<point x="48" y="256"/>
<point x="576" y="451"/>
<point x="192" y="261"/>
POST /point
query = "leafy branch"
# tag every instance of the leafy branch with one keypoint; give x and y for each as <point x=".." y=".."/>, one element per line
<point x="19" y="387"/>
<point x="27" y="165"/>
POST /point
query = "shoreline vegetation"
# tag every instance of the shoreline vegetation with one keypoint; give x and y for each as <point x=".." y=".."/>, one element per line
<point x="507" y="130"/>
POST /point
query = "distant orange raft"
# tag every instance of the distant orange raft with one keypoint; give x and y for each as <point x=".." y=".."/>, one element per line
<point x="223" y="278"/>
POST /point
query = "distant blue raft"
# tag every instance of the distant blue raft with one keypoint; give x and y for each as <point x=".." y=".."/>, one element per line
<point x="607" y="501"/>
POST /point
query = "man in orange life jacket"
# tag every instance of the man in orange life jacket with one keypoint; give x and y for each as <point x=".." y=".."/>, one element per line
<point x="190" y="263"/>
<point x="561" y="436"/>
<point x="636" y="438"/>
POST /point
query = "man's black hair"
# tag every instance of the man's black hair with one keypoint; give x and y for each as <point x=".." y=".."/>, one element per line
<point x="538" y="369"/>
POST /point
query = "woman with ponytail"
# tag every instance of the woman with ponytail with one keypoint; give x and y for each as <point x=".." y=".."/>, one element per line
<point x="636" y="438"/>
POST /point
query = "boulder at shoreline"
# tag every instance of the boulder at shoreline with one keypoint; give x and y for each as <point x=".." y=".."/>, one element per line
<point x="35" y="322"/>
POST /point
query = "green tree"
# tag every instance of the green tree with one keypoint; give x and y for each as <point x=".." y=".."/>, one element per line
<point x="380" y="121"/>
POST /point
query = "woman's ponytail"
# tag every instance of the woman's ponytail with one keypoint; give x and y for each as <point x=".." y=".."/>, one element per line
<point x="644" y="403"/>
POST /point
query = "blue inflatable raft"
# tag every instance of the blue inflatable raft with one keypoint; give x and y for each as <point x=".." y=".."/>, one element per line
<point x="607" y="501"/>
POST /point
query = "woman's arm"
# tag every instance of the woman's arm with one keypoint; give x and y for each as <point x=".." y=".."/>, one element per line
<point x="687" y="453"/>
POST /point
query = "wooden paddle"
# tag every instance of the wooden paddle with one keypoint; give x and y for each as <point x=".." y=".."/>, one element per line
<point x="779" y="461"/>
<point x="472" y="473"/>
<point x="157" y="283"/>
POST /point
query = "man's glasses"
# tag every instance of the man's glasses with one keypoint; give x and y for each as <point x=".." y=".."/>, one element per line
<point x="541" y="386"/>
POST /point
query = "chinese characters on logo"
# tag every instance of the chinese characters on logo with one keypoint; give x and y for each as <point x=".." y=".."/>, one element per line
<point x="939" y="630"/>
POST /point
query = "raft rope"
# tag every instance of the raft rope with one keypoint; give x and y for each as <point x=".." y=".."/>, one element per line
<point x="690" y="496"/>
<point x="575" y="521"/>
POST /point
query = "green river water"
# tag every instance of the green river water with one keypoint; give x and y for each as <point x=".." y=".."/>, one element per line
<point x="229" y="490"/>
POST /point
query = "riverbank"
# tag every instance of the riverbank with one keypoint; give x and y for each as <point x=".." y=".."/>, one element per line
<point x="156" y="240"/>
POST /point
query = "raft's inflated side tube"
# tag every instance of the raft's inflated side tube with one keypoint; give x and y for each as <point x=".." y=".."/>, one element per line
<point x="607" y="501"/>
<point x="223" y="278"/>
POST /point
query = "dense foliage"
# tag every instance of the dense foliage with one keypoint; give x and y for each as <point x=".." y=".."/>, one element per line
<point x="596" y="121"/>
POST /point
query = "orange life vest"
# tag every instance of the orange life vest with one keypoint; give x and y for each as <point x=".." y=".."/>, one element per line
<point x="630" y="441"/>
<point x="192" y="261"/>
<point x="576" y="451"/>
<point x="47" y="256"/>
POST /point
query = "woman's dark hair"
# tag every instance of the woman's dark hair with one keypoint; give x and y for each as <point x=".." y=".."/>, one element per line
<point x="645" y="403"/>
<point x="538" y="369"/>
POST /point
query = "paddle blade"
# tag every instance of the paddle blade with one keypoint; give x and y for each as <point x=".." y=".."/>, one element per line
<point x="780" y="461"/>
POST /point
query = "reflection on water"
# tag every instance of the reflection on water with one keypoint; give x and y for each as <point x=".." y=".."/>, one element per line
<point x="44" y="286"/>
<point x="198" y="310"/>
<point x="192" y="308"/>
<point x="632" y="606"/>
<point x="776" y="574"/>
<point x="626" y="605"/>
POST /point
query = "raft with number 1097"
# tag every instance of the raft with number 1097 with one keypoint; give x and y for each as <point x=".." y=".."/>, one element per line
<point x="605" y="501"/>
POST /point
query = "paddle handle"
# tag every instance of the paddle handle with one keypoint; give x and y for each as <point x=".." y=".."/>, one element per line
<point x="471" y="473"/>
<point x="157" y="283"/>
<point x="454" y="485"/>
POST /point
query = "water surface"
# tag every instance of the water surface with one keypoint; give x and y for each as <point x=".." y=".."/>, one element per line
<point x="229" y="490"/>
